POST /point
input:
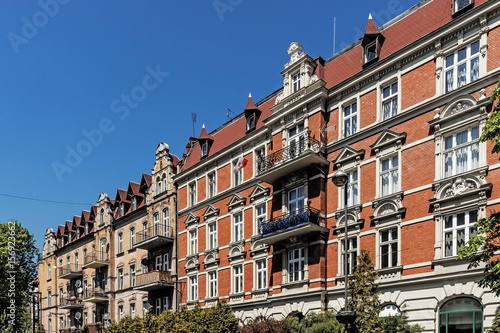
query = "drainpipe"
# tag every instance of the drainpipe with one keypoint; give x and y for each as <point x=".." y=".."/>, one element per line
<point x="177" y="245"/>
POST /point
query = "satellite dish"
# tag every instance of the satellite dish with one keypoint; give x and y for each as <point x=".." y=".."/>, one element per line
<point x="78" y="283"/>
<point x="79" y="290"/>
<point x="78" y="315"/>
<point x="144" y="262"/>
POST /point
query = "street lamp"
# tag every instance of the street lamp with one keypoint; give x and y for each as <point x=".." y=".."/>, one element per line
<point x="340" y="179"/>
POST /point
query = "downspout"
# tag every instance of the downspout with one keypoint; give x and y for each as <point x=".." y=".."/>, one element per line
<point x="177" y="245"/>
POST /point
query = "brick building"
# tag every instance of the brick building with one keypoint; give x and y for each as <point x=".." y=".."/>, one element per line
<point x="400" y="111"/>
<point x="98" y="267"/>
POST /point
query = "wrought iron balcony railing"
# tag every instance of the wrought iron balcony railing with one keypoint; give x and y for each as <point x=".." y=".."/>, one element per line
<point x="152" y="277"/>
<point x="290" y="220"/>
<point x="70" y="268"/>
<point x="95" y="292"/>
<point x="158" y="230"/>
<point x="95" y="256"/>
<point x="295" y="150"/>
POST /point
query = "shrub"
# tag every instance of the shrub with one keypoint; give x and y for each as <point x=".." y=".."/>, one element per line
<point x="266" y="325"/>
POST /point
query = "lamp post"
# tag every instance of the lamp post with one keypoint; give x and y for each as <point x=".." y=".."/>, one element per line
<point x="340" y="179"/>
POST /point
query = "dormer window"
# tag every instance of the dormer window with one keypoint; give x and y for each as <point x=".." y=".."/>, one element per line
<point x="122" y="209"/>
<point x="462" y="4"/>
<point x="370" y="52"/>
<point x="134" y="203"/>
<point x="251" y="122"/>
<point x="78" y="233"/>
<point x="204" y="149"/>
<point x="296" y="82"/>
<point x="86" y="228"/>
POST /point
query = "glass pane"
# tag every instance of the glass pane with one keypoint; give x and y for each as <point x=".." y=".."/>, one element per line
<point x="347" y="110"/>
<point x="394" y="88"/>
<point x="474" y="48"/>
<point x="461" y="304"/>
<point x="462" y="54"/>
<point x="385" y="165"/>
<point x="460" y="219"/>
<point x="449" y="60"/>
<point x="473" y="216"/>
<point x="387" y="92"/>
<point x="387" y="110"/>
<point x="474" y="132"/>
<point x="462" y="75"/>
<point x="395" y="162"/>
<point x="460" y="238"/>
<point x="475" y="156"/>
<point x="354" y="124"/>
<point x="474" y="69"/>
<point x="448" y="164"/>
<point x="384" y="236"/>
<point x="460" y="322"/>
<point x="449" y="80"/>
<point x="394" y="106"/>
<point x="478" y="321"/>
<point x="462" y="137"/>
<point x="354" y="108"/>
<point x="448" y="239"/>
<point x="394" y="249"/>
<point x="394" y="233"/>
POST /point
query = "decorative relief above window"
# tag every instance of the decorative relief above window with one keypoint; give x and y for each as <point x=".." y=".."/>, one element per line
<point x="191" y="220"/>
<point x="353" y="220"/>
<point x="236" y="202"/>
<point x="236" y="251"/>
<point x="192" y="264"/>
<point x="211" y="258"/>
<point x="211" y="212"/>
<point x="388" y="208"/>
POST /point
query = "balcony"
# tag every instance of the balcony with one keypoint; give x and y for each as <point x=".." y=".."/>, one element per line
<point x="155" y="236"/>
<point x="70" y="271"/>
<point x="154" y="280"/>
<point x="95" y="260"/>
<point x="73" y="301"/>
<point x="95" y="295"/>
<point x="294" y="224"/>
<point x="296" y="156"/>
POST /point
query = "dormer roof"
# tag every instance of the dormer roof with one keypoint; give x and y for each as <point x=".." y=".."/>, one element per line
<point x="371" y="28"/>
<point x="203" y="135"/>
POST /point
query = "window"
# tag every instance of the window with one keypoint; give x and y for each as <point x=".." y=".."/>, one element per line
<point x="350" y="119"/>
<point x="462" y="67"/>
<point x="193" y="288"/>
<point x="389" y="310"/>
<point x="77" y="260"/>
<point x="237" y="174"/>
<point x="389" y="248"/>
<point x="158" y="306"/>
<point x="61" y="295"/>
<point x="166" y="304"/>
<point x="132" y="310"/>
<point x="122" y="209"/>
<point x="390" y="101"/>
<point x="260" y="157"/>
<point x="102" y="215"/>
<point x="50" y="325"/>
<point x="49" y="298"/>
<point x="251" y="122"/>
<point x="158" y="185"/>
<point x="84" y="253"/>
<point x="238" y="279"/>
<point x="389" y="175"/>
<point x="352" y="188"/>
<point x="212" y="235"/>
<point x="261" y="274"/>
<point x="296" y="260"/>
<point x="212" y="284"/>
<point x="120" y="242"/>
<point x="166" y="217"/>
<point x="86" y="228"/>
<point x="204" y="149"/>
<point x="120" y="278"/>
<point x="192" y="194"/>
<point x="461" y="151"/>
<point x="458" y="229"/>
<point x="296" y="140"/>
<point x="296" y="200"/>
<point x="461" y="314"/>
<point x="159" y="262"/>
<point x="296" y="82"/>
<point x="261" y="216"/>
<point x="211" y="184"/>
<point x="132" y="275"/>
<point x="238" y="227"/>
<point x="134" y="203"/>
<point x="166" y="262"/>
<point x="120" y="312"/>
<point x="145" y="229"/>
<point x="370" y="52"/>
<point x="352" y="253"/>
<point x="49" y="272"/>
<point x="156" y="224"/>
<point x="132" y="237"/>
<point x="193" y="242"/>
<point x="461" y="4"/>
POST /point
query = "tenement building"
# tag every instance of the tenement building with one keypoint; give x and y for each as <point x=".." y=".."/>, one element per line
<point x="116" y="259"/>
<point x="261" y="225"/>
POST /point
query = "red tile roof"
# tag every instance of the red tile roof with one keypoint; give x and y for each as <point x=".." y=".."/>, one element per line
<point x="203" y="135"/>
<point x="250" y="104"/>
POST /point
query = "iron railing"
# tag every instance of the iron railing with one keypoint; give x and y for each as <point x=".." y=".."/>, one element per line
<point x="290" y="220"/>
<point x="153" y="276"/>
<point x="95" y="256"/>
<point x="301" y="146"/>
<point x="158" y="230"/>
<point x="70" y="268"/>
<point x="72" y="299"/>
<point x="95" y="292"/>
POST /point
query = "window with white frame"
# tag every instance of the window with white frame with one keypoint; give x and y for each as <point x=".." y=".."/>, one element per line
<point x="237" y="174"/>
<point x="49" y="272"/>
<point x="212" y="235"/>
<point x="166" y="304"/>
<point x="250" y="122"/>
<point x="212" y="284"/>
<point x="158" y="306"/>
<point x="134" y="203"/>
<point x="350" y="119"/>
<point x="389" y="175"/>
<point x="461" y="151"/>
<point x="193" y="241"/>
<point x="204" y="149"/>
<point x="120" y="312"/>
<point x="192" y="193"/>
<point x="120" y="242"/>
<point x="237" y="279"/>
<point x="296" y="265"/>
<point x="85" y="318"/>
<point x="370" y="51"/>
<point x="352" y="188"/>
<point x="352" y="254"/>
<point x="120" y="278"/>
<point x="296" y="82"/>
<point x="238" y="227"/>
<point x="211" y="184"/>
<point x="296" y="199"/>
<point x="390" y="100"/>
<point x="193" y="288"/>
<point x="159" y="263"/>
<point x="457" y="231"/>
<point x="462" y="67"/>
<point x="261" y="274"/>
<point x="260" y="157"/>
<point x="260" y="217"/>
<point x="461" y="4"/>
<point x="156" y="224"/>
<point x="166" y="261"/>
<point x="122" y="209"/>
<point x="165" y="226"/>
<point x="132" y="237"/>
<point x="132" y="275"/>
<point x="296" y="140"/>
<point x="389" y="248"/>
<point x="132" y="310"/>
<point x="50" y="325"/>
<point x="49" y="298"/>
<point x="158" y="185"/>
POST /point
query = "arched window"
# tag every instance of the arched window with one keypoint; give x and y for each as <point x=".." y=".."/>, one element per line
<point x="102" y="215"/>
<point x="462" y="314"/>
<point x="164" y="180"/>
<point x="158" y="185"/>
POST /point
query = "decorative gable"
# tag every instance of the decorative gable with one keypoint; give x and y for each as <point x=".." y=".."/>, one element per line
<point x="210" y="212"/>
<point x="259" y="192"/>
<point x="349" y="154"/>
<point x="191" y="220"/>
<point x="236" y="201"/>
<point x="388" y="138"/>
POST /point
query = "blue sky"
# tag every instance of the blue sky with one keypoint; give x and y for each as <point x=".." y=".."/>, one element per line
<point x="109" y="80"/>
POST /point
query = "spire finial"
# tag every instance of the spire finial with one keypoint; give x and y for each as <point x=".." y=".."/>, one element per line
<point x="370" y="16"/>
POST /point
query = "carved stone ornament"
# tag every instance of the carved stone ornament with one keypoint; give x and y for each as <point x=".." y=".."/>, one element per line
<point x="295" y="51"/>
<point x="294" y="177"/>
<point x="459" y="187"/>
<point x="236" y="251"/>
<point x="460" y="107"/>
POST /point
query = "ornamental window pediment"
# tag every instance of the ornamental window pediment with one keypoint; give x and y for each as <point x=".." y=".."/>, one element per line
<point x="211" y="212"/>
<point x="236" y="202"/>
<point x="388" y="140"/>
<point x="236" y="251"/>
<point x="348" y="155"/>
<point x="354" y="221"/>
<point x="388" y="208"/>
<point x="191" y="220"/>
<point x="259" y="192"/>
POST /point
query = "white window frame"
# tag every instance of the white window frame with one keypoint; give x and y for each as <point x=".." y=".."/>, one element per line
<point x="211" y="184"/>
<point x="132" y="310"/>
<point x="192" y="193"/>
<point x="392" y="98"/>
<point x="238" y="281"/>
<point x="132" y="275"/>
<point x="467" y="61"/>
<point x="238" y="227"/>
<point x="158" y="306"/>
<point x="49" y="298"/>
<point x="204" y="149"/>
<point x="393" y="174"/>
<point x="299" y="202"/>
<point x="352" y="118"/>
<point x="296" y="265"/>
<point x="237" y="176"/>
<point x="467" y="227"/>
<point x="159" y="262"/>
<point x="49" y="272"/>
<point x="156" y="224"/>
<point x="261" y="274"/>
<point x="456" y="4"/>
<point x="158" y="185"/>
<point x="193" y="241"/>
<point x="166" y="222"/>
<point x="296" y="142"/>
<point x="352" y="188"/>
<point x="367" y="52"/>
<point x="120" y="312"/>
<point x="212" y="284"/>
<point x="250" y="122"/>
<point x="132" y="237"/>
<point x="260" y="216"/>
<point x="166" y="303"/>
<point x="212" y="235"/>
<point x="120" y="242"/>
<point x="120" y="278"/>
<point x="469" y="145"/>
<point x="392" y="245"/>
<point x="351" y="251"/>
<point x="166" y="261"/>
<point x="193" y="288"/>
<point x="296" y="82"/>
<point x="259" y="157"/>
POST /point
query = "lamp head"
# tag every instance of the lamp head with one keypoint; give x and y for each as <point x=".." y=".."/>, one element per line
<point x="340" y="178"/>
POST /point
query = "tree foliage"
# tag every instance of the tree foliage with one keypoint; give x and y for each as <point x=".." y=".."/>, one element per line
<point x="322" y="322"/>
<point x="18" y="269"/>
<point x="491" y="131"/>
<point x="495" y="328"/>
<point x="400" y="324"/>
<point x="266" y="325"/>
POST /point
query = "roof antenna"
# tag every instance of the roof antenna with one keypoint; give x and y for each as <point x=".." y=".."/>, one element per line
<point x="334" y="25"/>
<point x="193" y="116"/>
<point x="227" y="114"/>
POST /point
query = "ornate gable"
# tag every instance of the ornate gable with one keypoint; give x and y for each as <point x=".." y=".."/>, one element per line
<point x="387" y="138"/>
<point x="259" y="191"/>
<point x="211" y="211"/>
<point x="236" y="201"/>
<point x="348" y="154"/>
<point x="191" y="220"/>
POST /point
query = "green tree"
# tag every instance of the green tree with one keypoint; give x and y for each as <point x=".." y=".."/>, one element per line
<point x="18" y="269"/>
<point x="481" y="248"/>
<point x="364" y="296"/>
<point x="400" y="324"/>
<point x="262" y="324"/>
<point x="322" y="322"/>
<point x="495" y="328"/>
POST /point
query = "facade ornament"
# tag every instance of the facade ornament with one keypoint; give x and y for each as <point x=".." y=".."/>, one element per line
<point x="439" y="70"/>
<point x="436" y="111"/>
<point x="483" y="49"/>
<point x="460" y="107"/>
<point x="484" y="24"/>
<point x="458" y="187"/>
<point x="482" y="94"/>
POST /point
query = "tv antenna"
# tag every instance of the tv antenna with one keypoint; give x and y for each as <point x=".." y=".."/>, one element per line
<point x="227" y="114"/>
<point x="193" y="117"/>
